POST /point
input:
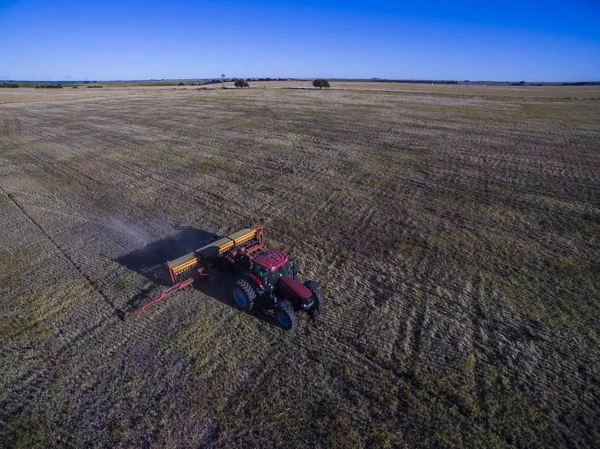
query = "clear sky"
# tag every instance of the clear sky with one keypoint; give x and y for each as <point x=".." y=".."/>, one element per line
<point x="512" y="40"/>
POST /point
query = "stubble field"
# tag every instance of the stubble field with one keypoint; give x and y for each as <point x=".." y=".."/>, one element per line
<point x="455" y="231"/>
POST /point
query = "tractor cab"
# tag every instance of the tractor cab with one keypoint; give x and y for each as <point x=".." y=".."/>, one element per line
<point x="271" y="259"/>
<point x="269" y="266"/>
<point x="276" y="273"/>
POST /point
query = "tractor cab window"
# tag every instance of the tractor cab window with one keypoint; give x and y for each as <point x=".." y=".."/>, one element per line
<point x="268" y="277"/>
<point x="260" y="272"/>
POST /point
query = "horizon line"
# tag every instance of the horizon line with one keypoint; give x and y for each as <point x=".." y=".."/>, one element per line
<point x="286" y="78"/>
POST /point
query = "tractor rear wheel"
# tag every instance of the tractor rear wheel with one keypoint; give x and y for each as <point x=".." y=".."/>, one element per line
<point x="285" y="315"/>
<point x="318" y="300"/>
<point x="244" y="295"/>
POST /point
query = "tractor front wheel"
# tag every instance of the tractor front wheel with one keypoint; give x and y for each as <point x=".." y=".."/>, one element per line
<point x="318" y="300"/>
<point x="244" y="295"/>
<point x="285" y="315"/>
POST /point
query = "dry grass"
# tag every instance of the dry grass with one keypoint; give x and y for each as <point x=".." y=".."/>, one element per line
<point x="455" y="230"/>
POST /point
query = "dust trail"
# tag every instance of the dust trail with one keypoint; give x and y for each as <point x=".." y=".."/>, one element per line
<point x="133" y="232"/>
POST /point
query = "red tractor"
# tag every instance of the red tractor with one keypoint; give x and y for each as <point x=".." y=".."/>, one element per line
<point x="267" y="279"/>
<point x="271" y="283"/>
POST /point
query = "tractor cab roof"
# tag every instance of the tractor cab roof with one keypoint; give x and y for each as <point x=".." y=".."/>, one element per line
<point x="270" y="259"/>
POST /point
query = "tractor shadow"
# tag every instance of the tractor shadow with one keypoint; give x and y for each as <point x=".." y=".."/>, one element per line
<point x="150" y="262"/>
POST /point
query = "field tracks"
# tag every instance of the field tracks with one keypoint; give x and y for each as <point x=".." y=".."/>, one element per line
<point x="50" y="239"/>
<point x="453" y="233"/>
<point x="478" y="345"/>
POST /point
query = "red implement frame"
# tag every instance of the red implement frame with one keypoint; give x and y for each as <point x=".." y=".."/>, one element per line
<point x="167" y="292"/>
<point x="229" y="258"/>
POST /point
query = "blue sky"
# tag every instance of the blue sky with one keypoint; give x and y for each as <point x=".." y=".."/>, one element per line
<point x="463" y="39"/>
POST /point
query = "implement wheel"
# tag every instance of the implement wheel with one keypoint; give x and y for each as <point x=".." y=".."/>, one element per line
<point x="244" y="295"/>
<point x="285" y="315"/>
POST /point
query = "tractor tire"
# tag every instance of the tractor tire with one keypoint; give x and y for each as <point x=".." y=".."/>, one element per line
<point x="244" y="295"/>
<point x="319" y="302"/>
<point x="285" y="315"/>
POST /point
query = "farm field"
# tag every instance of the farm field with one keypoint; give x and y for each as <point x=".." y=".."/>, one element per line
<point x="455" y="230"/>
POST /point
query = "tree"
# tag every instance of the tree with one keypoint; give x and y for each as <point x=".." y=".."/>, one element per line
<point x="321" y="83"/>
<point x="241" y="83"/>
